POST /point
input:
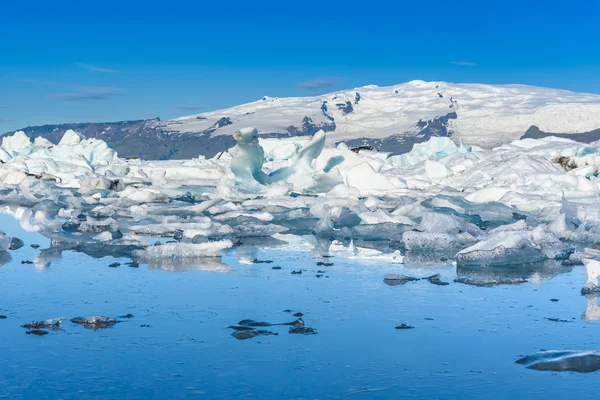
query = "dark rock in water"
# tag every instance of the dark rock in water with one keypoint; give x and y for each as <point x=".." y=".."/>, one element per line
<point x="95" y="322"/>
<point x="563" y="360"/>
<point x="298" y="322"/>
<point x="300" y="330"/>
<point x="3" y="317"/>
<point x="324" y="264"/>
<point x="26" y="262"/>
<point x="276" y="268"/>
<point x="240" y="328"/>
<point x="436" y="280"/>
<point x="114" y="265"/>
<point x="35" y="246"/>
<point x="249" y="322"/>
<point x="126" y="316"/>
<point x="243" y="335"/>
<point x="590" y="290"/>
<point x="558" y="320"/>
<point x="397" y="279"/>
<point x="298" y="314"/>
<point x="554" y="300"/>
<point x="489" y="283"/>
<point x="52" y="324"/>
<point x="299" y="272"/>
<point x="37" y="332"/>
<point x="256" y="261"/>
<point x="404" y="326"/>
<point x="16" y="243"/>
<point x="133" y="264"/>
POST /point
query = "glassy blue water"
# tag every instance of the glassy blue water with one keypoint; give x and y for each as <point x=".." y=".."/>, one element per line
<point x="464" y="343"/>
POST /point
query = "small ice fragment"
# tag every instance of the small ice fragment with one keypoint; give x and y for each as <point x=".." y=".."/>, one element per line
<point x="560" y="361"/>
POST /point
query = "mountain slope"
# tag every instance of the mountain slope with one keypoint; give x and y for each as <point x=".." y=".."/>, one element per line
<point x="389" y="118"/>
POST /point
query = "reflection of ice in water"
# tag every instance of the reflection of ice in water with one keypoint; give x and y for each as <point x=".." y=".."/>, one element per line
<point x="592" y="312"/>
<point x="592" y="269"/>
<point x="5" y="257"/>
<point x="211" y="264"/>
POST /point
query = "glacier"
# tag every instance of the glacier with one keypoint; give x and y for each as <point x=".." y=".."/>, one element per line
<point x="526" y="202"/>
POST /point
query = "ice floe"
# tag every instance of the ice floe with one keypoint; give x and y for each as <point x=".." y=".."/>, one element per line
<point x="525" y="202"/>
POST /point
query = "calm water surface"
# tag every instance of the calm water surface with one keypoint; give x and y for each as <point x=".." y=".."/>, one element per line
<point x="464" y="343"/>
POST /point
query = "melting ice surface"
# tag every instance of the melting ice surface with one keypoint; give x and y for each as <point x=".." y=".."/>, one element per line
<point x="507" y="229"/>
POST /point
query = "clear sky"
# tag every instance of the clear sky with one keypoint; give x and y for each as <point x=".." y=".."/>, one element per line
<point x="88" y="60"/>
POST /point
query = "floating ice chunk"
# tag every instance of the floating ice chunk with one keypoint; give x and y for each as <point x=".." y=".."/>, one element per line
<point x="184" y="250"/>
<point x="592" y="270"/>
<point x="71" y="138"/>
<point x="446" y="223"/>
<point x="563" y="360"/>
<point x="42" y="142"/>
<point x="4" y="155"/>
<point x="343" y="190"/>
<point x="103" y="237"/>
<point x="380" y="216"/>
<point x="488" y="194"/>
<point x="17" y="144"/>
<point x="247" y="158"/>
<point x="515" y="247"/>
<point x="144" y="195"/>
<point x="281" y="152"/>
<point x="435" y="147"/>
<point x="337" y="249"/>
<point x="99" y="183"/>
<point x="424" y="245"/>
<point x="366" y="179"/>
<point x="436" y="171"/>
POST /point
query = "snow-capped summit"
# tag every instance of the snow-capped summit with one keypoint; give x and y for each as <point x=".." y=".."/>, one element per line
<point x="484" y="115"/>
<point x="391" y="118"/>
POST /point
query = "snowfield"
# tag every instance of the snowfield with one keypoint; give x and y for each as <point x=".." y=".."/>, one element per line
<point x="527" y="202"/>
<point x="482" y="115"/>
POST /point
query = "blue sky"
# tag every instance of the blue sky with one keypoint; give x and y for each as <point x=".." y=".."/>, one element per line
<point x="80" y="61"/>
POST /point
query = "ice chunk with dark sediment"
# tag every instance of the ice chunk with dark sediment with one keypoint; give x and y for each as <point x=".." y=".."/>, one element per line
<point x="398" y="279"/>
<point x="16" y="244"/>
<point x="51" y="324"/>
<point x="249" y="334"/>
<point x="563" y="360"/>
<point x="515" y="247"/>
<point x="95" y="322"/>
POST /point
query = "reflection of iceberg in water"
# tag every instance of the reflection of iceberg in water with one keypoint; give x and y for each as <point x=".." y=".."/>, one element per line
<point x="499" y="275"/>
<point x="211" y="264"/>
<point x="592" y="312"/>
<point x="5" y="257"/>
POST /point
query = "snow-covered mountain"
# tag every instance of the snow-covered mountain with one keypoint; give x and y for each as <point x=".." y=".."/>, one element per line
<point x="389" y="118"/>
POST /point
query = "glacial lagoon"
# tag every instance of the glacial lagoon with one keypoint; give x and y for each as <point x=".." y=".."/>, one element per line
<point x="464" y="342"/>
